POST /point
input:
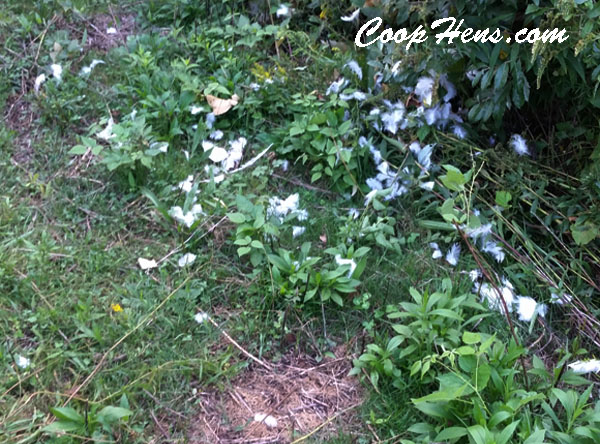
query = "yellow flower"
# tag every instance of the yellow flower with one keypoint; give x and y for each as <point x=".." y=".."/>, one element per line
<point x="116" y="308"/>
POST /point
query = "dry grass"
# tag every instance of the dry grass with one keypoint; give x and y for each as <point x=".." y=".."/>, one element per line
<point x="300" y="393"/>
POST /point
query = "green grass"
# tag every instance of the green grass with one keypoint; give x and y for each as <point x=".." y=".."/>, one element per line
<point x="97" y="329"/>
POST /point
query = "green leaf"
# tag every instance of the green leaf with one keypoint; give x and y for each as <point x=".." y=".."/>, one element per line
<point x="67" y="413"/>
<point x="451" y="433"/>
<point x="471" y="338"/>
<point x="78" y="150"/>
<point x="507" y="433"/>
<point x="503" y="198"/>
<point x="243" y="250"/>
<point x="584" y="233"/>
<point x="236" y="218"/>
<point x="394" y="343"/>
<point x="537" y="437"/>
<point x="454" y="180"/>
<point x="62" y="426"/>
<point x="337" y="299"/>
<point x="479" y="434"/>
<point x="112" y="414"/>
<point x="257" y="244"/>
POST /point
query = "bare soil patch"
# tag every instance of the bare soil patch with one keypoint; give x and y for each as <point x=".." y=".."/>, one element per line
<point x="302" y="395"/>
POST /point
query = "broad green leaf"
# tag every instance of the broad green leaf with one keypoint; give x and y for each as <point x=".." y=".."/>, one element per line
<point x="471" y="338"/>
<point x="67" y="413"/>
<point x="507" y="433"/>
<point x="236" y="218"/>
<point x="62" y="426"/>
<point x="585" y="233"/>
<point x="112" y="414"/>
<point x="451" y="433"/>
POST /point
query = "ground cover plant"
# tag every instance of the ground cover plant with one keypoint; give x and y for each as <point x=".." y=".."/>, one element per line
<point x="226" y="222"/>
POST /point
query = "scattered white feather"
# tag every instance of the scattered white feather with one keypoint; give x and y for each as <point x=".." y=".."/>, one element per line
<point x="268" y="420"/>
<point x="495" y="250"/>
<point x="281" y="208"/>
<point x="302" y="215"/>
<point x="186" y="185"/>
<point x="353" y="213"/>
<point x="459" y="131"/>
<point x="111" y="30"/>
<point x="437" y="253"/>
<point x="355" y="68"/>
<point x="527" y="307"/>
<point x="188" y="218"/>
<point x="590" y="366"/>
<point x="337" y="86"/>
<point x="283" y="11"/>
<point x="216" y="135"/>
<point x="56" y="71"/>
<point x="23" y="362"/>
<point x="186" y="259"/>
<point x="298" y="231"/>
<point x="453" y="254"/>
<point x="285" y="165"/>
<point x="369" y="197"/>
<point x="106" y="133"/>
<point x="560" y="299"/>
<point x="147" y="264"/>
<point x="449" y="87"/>
<point x="196" y="110"/>
<point x="163" y="147"/>
<point x="235" y="154"/>
<point x="352" y="17"/>
<point x="424" y="90"/>
<point x="255" y="86"/>
<point x="474" y="275"/>
<point x="210" y="120"/>
<point x="489" y="293"/>
<point x="428" y="186"/>
<point x="88" y="69"/>
<point x="341" y="262"/>
<point x="201" y="317"/>
<point x="482" y="231"/>
<point x="359" y="96"/>
<point x="415" y="147"/>
<point x="38" y="82"/>
<point x="393" y="118"/>
<point x="374" y="184"/>
<point x="519" y="145"/>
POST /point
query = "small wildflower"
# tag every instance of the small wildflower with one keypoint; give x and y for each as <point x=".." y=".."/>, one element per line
<point x="116" y="308"/>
